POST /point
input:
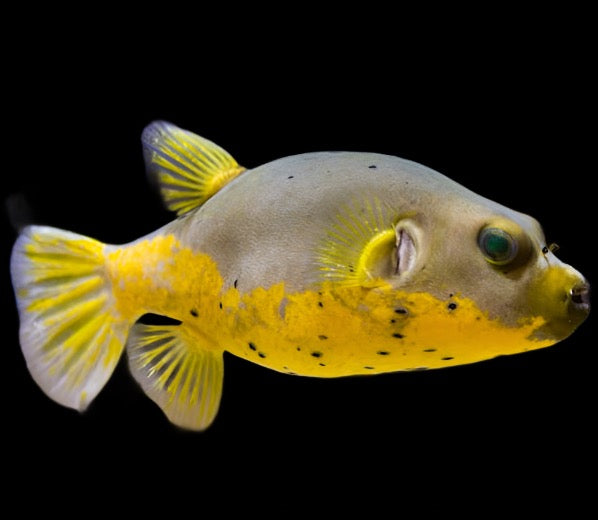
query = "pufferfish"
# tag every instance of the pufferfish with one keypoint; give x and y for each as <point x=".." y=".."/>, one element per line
<point x="323" y="264"/>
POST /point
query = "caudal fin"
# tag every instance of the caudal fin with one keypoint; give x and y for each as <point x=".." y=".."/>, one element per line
<point x="70" y="335"/>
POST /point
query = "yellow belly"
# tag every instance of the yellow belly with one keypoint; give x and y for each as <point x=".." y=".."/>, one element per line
<point x="329" y="331"/>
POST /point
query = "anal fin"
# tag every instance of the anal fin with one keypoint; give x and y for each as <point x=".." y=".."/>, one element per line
<point x="183" y="379"/>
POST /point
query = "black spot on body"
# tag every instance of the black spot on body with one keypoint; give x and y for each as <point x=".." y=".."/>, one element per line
<point x="298" y="349"/>
<point x="393" y="321"/>
<point x="429" y="350"/>
<point x="220" y="305"/>
<point x="235" y="283"/>
<point x="261" y="354"/>
<point x="448" y="358"/>
<point x="398" y="335"/>
<point x="452" y="306"/>
<point x="158" y="319"/>
<point x="369" y="368"/>
<point x="317" y="354"/>
<point x="372" y="167"/>
<point x="322" y="364"/>
<point x="400" y="310"/>
<point x="252" y="346"/>
<point x="383" y="353"/>
<point x="194" y="313"/>
<point x="320" y="304"/>
<point x="321" y="336"/>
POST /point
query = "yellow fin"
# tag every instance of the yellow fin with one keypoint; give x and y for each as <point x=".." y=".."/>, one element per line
<point x="69" y="334"/>
<point x="188" y="168"/>
<point x="357" y="248"/>
<point x="183" y="379"/>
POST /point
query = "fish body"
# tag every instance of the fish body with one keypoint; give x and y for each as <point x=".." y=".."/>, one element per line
<point x="323" y="264"/>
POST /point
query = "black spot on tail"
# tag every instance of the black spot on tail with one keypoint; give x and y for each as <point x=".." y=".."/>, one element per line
<point x="252" y="346"/>
<point x="194" y="313"/>
<point x="317" y="354"/>
<point x="398" y="335"/>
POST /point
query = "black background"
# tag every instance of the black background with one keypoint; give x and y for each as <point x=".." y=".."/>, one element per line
<point x="509" y="124"/>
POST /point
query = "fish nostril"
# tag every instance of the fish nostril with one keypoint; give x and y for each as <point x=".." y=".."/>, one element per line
<point x="580" y="295"/>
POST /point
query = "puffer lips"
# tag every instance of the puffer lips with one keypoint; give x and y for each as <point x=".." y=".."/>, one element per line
<point x="580" y="296"/>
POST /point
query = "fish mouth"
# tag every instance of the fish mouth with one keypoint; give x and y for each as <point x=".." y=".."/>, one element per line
<point x="579" y="296"/>
<point x="562" y="299"/>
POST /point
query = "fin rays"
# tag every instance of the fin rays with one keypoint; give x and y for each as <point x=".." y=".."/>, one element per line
<point x="184" y="379"/>
<point x="188" y="168"/>
<point x="356" y="245"/>
<point x="69" y="335"/>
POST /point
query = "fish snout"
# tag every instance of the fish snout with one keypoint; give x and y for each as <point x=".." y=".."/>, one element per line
<point x="560" y="295"/>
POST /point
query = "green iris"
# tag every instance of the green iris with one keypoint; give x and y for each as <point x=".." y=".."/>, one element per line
<point x="497" y="245"/>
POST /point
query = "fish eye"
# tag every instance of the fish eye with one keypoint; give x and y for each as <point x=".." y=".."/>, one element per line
<point x="498" y="246"/>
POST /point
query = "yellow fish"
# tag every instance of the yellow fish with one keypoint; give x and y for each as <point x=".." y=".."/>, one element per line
<point x="321" y="264"/>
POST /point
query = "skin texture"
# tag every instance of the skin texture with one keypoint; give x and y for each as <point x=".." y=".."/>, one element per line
<point x="259" y="252"/>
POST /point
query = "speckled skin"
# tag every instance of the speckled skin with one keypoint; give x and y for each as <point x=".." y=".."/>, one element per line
<point x="266" y="225"/>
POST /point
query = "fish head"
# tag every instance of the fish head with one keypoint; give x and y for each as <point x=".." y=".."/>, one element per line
<point x="494" y="256"/>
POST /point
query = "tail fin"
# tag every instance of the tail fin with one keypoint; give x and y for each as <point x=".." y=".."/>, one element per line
<point x="70" y="336"/>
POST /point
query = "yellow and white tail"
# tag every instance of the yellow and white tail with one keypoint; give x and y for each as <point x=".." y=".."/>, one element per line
<point x="70" y="334"/>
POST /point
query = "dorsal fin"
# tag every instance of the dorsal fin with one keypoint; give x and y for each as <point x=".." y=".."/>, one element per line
<point x="187" y="168"/>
